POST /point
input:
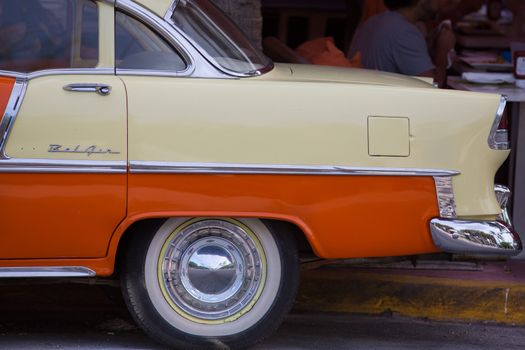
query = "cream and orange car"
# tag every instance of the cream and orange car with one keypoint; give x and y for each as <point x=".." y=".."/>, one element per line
<point x="149" y="139"/>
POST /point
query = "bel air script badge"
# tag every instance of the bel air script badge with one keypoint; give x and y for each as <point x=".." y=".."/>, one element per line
<point x="93" y="149"/>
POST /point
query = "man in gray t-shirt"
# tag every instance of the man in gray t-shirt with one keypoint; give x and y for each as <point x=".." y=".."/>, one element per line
<point x="392" y="42"/>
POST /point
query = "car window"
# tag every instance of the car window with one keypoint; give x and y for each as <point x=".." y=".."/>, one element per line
<point x="139" y="47"/>
<point x="216" y="34"/>
<point x="48" y="34"/>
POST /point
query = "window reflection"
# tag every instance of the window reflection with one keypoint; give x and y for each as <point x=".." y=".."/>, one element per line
<point x="46" y="34"/>
<point x="138" y="47"/>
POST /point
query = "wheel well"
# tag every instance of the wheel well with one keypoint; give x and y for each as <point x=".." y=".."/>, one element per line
<point x="303" y="245"/>
<point x="148" y="225"/>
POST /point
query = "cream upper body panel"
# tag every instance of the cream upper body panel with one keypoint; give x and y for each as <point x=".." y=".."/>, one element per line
<point x="106" y="42"/>
<point x="316" y="73"/>
<point x="302" y="121"/>
<point x="86" y="126"/>
<point x="159" y="7"/>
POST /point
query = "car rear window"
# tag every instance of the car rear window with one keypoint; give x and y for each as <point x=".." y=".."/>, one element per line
<point x="137" y="47"/>
<point x="219" y="37"/>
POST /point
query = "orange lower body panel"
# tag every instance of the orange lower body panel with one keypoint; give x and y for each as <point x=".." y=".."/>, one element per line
<point x="46" y="216"/>
<point x="342" y="216"/>
<point x="6" y="86"/>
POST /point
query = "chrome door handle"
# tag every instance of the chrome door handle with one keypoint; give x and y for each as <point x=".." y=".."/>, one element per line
<point x="101" y="89"/>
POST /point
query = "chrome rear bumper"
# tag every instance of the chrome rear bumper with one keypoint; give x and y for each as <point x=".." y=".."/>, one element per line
<point x="475" y="237"/>
<point x="479" y="237"/>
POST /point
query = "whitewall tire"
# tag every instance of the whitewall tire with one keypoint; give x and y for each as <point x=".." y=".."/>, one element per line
<point x="210" y="282"/>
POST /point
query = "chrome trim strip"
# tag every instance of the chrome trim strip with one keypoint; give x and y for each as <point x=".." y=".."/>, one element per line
<point x="62" y="166"/>
<point x="475" y="237"/>
<point x="171" y="9"/>
<point x="46" y="271"/>
<point x="62" y="71"/>
<point x="147" y="73"/>
<point x="10" y="113"/>
<point x="445" y="197"/>
<point x="493" y="141"/>
<point x="142" y="167"/>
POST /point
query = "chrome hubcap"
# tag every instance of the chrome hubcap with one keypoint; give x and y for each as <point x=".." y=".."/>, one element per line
<point x="211" y="269"/>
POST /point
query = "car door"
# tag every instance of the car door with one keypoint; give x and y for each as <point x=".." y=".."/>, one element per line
<point x="63" y="152"/>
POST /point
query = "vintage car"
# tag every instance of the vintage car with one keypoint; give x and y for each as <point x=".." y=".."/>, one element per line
<point x="149" y="140"/>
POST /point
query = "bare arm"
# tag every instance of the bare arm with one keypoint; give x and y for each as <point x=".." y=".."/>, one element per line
<point x="444" y="43"/>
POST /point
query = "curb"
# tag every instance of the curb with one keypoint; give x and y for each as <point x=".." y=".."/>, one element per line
<point x="370" y="292"/>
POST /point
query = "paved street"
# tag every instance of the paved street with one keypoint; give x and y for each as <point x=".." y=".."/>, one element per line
<point x="78" y="316"/>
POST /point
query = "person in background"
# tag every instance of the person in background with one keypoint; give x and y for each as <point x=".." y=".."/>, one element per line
<point x="455" y="10"/>
<point x="371" y="8"/>
<point x="518" y="9"/>
<point x="391" y="41"/>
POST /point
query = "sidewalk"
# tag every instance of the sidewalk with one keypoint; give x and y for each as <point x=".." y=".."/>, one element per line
<point x="494" y="292"/>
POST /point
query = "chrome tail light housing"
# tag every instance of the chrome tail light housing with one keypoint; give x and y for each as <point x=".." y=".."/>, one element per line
<point x="499" y="133"/>
<point x="503" y="196"/>
<point x="445" y="196"/>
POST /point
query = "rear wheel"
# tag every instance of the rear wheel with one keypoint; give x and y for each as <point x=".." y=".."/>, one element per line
<point x="210" y="282"/>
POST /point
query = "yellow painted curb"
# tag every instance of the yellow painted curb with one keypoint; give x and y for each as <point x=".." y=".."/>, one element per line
<point x="430" y="297"/>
